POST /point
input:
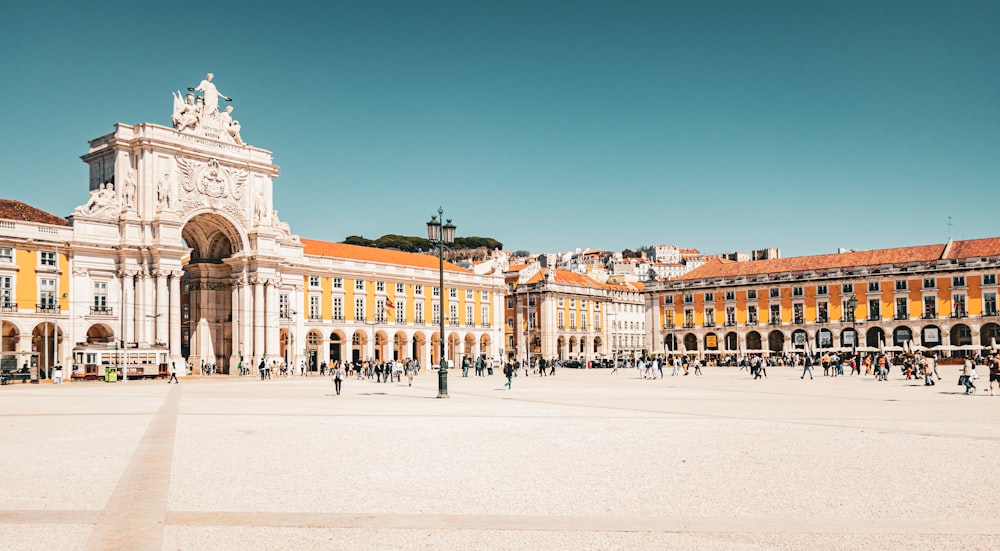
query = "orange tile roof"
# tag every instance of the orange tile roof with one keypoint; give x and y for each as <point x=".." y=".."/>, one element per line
<point x="902" y="255"/>
<point x="16" y="210"/>
<point x="374" y="254"/>
<point x="566" y="277"/>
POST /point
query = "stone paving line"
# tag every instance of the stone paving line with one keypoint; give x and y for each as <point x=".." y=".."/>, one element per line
<point x="582" y="460"/>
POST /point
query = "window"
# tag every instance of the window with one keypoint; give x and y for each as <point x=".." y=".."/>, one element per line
<point x="338" y="283"/>
<point x="752" y="294"/>
<point x="798" y="313"/>
<point x="47" y="294"/>
<point x="669" y="299"/>
<point x="583" y="322"/>
<point x="380" y="310"/>
<point x="958" y="281"/>
<point x="510" y="302"/>
<point x="847" y="288"/>
<point x="359" y="309"/>
<point x="822" y="290"/>
<point x="774" y="317"/>
<point x="6" y="292"/>
<point x="774" y="292"/>
<point x="823" y="312"/>
<point x="873" y="287"/>
<point x="797" y="292"/>
<point x="400" y="289"/>
<point x="989" y="304"/>
<point x="484" y="296"/>
<point x="572" y="320"/>
<point x="470" y="319"/>
<point x="531" y="301"/>
<point x="572" y="303"/>
<point x="418" y="312"/>
<point x="709" y="317"/>
<point x="730" y="295"/>
<point x="452" y="293"/>
<point x="989" y="279"/>
<point x="958" y="306"/>
<point x="338" y="308"/>
<point x="752" y="315"/>
<point x="435" y="292"/>
<point x="560" y="303"/>
<point x="436" y="313"/>
<point x="688" y="298"/>
<point x="902" y="308"/>
<point x="100" y="298"/>
<point x="6" y="254"/>
<point x="312" y="339"/>
<point x="314" y="281"/>
<point x="315" y="311"/>
<point x="418" y="290"/>
<point x="400" y="311"/>
<point x="47" y="258"/>
<point x="688" y="317"/>
<point x="849" y="313"/>
<point x="930" y="283"/>
<point x="874" y="309"/>
<point x="930" y="307"/>
<point x="359" y="285"/>
<point x="709" y="297"/>
<point x="283" y="311"/>
<point x="485" y="316"/>
<point x="900" y="284"/>
<point x="560" y="322"/>
<point x="730" y="315"/>
<point x="468" y="294"/>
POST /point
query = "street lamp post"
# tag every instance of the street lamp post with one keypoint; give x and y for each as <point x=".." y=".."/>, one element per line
<point x="441" y="235"/>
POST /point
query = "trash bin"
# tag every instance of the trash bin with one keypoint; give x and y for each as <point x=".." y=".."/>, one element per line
<point x="111" y="375"/>
<point x="57" y="375"/>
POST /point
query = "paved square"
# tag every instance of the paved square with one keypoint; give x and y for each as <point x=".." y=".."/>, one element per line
<point x="581" y="460"/>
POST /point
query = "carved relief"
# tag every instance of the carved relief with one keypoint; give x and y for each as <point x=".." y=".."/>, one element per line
<point x="211" y="185"/>
<point x="103" y="203"/>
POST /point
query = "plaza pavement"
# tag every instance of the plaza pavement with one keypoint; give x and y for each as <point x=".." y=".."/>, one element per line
<point x="582" y="460"/>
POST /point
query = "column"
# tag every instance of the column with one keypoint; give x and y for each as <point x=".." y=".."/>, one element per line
<point x="128" y="307"/>
<point x="259" y="321"/>
<point x="271" y="320"/>
<point x="234" y="327"/>
<point x="162" y="308"/>
<point x="174" y="315"/>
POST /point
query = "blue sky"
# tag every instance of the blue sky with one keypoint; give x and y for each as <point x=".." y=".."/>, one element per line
<point x="547" y="125"/>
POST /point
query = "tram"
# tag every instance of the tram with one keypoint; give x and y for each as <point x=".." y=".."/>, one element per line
<point x="95" y="362"/>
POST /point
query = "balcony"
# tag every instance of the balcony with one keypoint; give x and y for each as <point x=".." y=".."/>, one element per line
<point x="8" y="307"/>
<point x="689" y="325"/>
<point x="102" y="310"/>
<point x="774" y="322"/>
<point x="47" y="308"/>
<point x="874" y="317"/>
<point x="929" y="316"/>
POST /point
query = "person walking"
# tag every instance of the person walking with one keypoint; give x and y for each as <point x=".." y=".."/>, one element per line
<point x="994" y="364"/>
<point x="807" y="367"/>
<point x="338" y="376"/>
<point x="173" y="373"/>
<point x="508" y="371"/>
<point x="968" y="374"/>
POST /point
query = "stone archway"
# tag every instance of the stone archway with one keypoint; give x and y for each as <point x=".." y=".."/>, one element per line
<point x="100" y="333"/>
<point x="9" y="337"/>
<point x="207" y="297"/>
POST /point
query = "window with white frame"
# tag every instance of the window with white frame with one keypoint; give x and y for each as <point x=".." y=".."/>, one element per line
<point x="902" y="308"/>
<point x="470" y="319"/>
<point x="730" y="315"/>
<point x="752" y="294"/>
<point x="313" y="281"/>
<point x="822" y="290"/>
<point x="359" y="309"/>
<point x="359" y="285"/>
<point x="774" y="316"/>
<point x="730" y="295"/>
<point x="469" y="295"/>
<point x="47" y="293"/>
<point x="315" y="309"/>
<point x="873" y="287"/>
<point x="418" y="290"/>
<point x="559" y="302"/>
<point x="847" y="288"/>
<point x="822" y="312"/>
<point x="436" y="313"/>
<point x="338" y="308"/>
<point x="874" y="309"/>
<point x="958" y="306"/>
<point x="400" y="311"/>
<point x="798" y="292"/>
<point x="100" y="297"/>
<point x="930" y="283"/>
<point x="752" y="315"/>
<point x="283" y="310"/>
<point x="47" y="259"/>
<point x="435" y="292"/>
<point x="453" y="313"/>
<point x="452" y="293"/>
<point x="531" y="301"/>
<point x="989" y="279"/>
<point x="572" y="320"/>
<point x="774" y="292"/>
<point x="989" y="304"/>
<point x="418" y="312"/>
<point x="958" y="281"/>
<point x="510" y="323"/>
<point x="583" y="321"/>
<point x="709" y="297"/>
<point x="559" y="320"/>
<point x="338" y="283"/>
<point x="900" y="284"/>
<point x="6" y="292"/>
<point x="484" y="296"/>
<point x="930" y="307"/>
<point x="6" y="254"/>
<point x="400" y="289"/>
<point x="709" y="317"/>
<point x="380" y="310"/>
<point x="531" y="321"/>
<point x="380" y="286"/>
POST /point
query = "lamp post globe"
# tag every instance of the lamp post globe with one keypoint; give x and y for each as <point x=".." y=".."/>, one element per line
<point x="440" y="236"/>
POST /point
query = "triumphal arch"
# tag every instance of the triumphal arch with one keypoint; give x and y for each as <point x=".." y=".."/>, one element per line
<point x="180" y="232"/>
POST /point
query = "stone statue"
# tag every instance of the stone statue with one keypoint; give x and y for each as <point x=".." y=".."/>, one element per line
<point x="102" y="202"/>
<point x="185" y="112"/>
<point x="231" y="125"/>
<point x="260" y="211"/>
<point x="128" y="194"/>
<point x="163" y="196"/>
<point x="211" y="95"/>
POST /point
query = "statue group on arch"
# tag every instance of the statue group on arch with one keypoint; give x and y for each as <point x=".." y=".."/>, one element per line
<point x="193" y="113"/>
